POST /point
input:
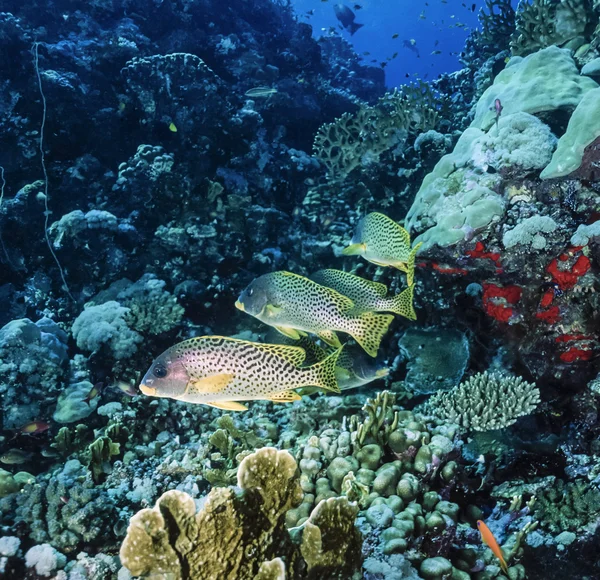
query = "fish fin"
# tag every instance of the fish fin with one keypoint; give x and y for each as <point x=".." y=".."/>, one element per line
<point x="402" y="304"/>
<point x="330" y="338"/>
<point x="293" y="354"/>
<point x="354" y="250"/>
<point x="212" y="384"/>
<point x="271" y="311"/>
<point x="289" y="332"/>
<point x="284" y="397"/>
<point x="323" y="374"/>
<point x="410" y="271"/>
<point x="368" y="330"/>
<point x="226" y="405"/>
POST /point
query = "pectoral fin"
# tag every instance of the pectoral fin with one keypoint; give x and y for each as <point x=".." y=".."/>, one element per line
<point x="271" y="311"/>
<point x="227" y="405"/>
<point x="290" y="332"/>
<point x="354" y="250"/>
<point x="213" y="384"/>
<point x="285" y="397"/>
<point x="330" y="338"/>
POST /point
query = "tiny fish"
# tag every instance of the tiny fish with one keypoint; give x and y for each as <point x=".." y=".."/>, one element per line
<point x="220" y="371"/>
<point x="126" y="388"/>
<point x="488" y="538"/>
<point x="380" y="240"/>
<point x="94" y="392"/>
<point x="172" y="127"/>
<point x="497" y="107"/>
<point x="367" y="295"/>
<point x="15" y="457"/>
<point x="295" y="305"/>
<point x="34" y="428"/>
<point x="260" y="92"/>
<point x="395" y="35"/>
<point x="422" y="15"/>
<point x="436" y="52"/>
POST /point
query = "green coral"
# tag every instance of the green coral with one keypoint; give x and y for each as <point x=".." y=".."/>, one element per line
<point x="542" y="23"/>
<point x="568" y="506"/>
<point x="242" y="535"/>
<point x="485" y="402"/>
<point x="358" y="139"/>
<point x="583" y="129"/>
<point x="543" y="81"/>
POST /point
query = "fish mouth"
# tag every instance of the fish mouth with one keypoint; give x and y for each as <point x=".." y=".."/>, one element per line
<point x="239" y="306"/>
<point x="150" y="391"/>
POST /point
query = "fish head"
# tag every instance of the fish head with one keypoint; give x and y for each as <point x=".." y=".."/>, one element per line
<point x="259" y="294"/>
<point x="167" y="377"/>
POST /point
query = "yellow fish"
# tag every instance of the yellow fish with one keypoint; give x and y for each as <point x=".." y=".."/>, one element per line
<point x="172" y="127"/>
<point x="367" y="295"/>
<point x="219" y="371"/>
<point x="381" y="241"/>
<point x="295" y="305"/>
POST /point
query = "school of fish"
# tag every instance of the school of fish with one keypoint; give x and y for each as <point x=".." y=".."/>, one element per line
<point x="220" y="371"/>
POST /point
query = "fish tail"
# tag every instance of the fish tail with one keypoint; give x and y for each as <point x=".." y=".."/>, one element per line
<point x="354" y="26"/>
<point x="402" y="304"/>
<point x="323" y="374"/>
<point x="368" y="330"/>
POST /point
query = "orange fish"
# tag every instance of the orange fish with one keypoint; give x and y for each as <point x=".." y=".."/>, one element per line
<point x="488" y="538"/>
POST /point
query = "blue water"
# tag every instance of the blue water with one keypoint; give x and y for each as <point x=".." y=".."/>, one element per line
<point x="382" y="19"/>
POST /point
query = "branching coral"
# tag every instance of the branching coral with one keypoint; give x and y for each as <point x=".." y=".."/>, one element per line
<point x="486" y="401"/>
<point x="543" y="23"/>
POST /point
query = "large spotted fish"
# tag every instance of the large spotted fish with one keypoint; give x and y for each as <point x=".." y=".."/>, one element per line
<point x="381" y="241"/>
<point x="220" y="371"/>
<point x="366" y="294"/>
<point x="295" y="305"/>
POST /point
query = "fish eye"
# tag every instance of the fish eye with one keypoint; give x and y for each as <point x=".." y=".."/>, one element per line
<point x="159" y="371"/>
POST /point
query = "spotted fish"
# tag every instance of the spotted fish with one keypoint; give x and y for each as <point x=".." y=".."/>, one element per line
<point x="381" y="241"/>
<point x="295" y="305"/>
<point x="366" y="294"/>
<point x="219" y="371"/>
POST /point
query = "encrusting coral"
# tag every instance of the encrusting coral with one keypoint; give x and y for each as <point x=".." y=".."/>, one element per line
<point x="243" y="535"/>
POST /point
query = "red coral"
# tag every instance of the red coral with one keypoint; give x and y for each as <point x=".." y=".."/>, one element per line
<point x="551" y="316"/>
<point x="547" y="298"/>
<point x="575" y="354"/>
<point x="443" y="269"/>
<point x="568" y="278"/>
<point x="497" y="300"/>
<point x="480" y="252"/>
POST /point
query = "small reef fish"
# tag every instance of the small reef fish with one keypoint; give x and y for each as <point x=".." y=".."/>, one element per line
<point x="15" y="457"/>
<point x="488" y="538"/>
<point x="498" y="108"/>
<point x="172" y="127"/>
<point x="295" y="305"/>
<point x="355" y="370"/>
<point x="260" y="92"/>
<point x="366" y="294"/>
<point x="34" y="428"/>
<point x="411" y="44"/>
<point x="219" y="371"/>
<point x="126" y="388"/>
<point x="346" y="17"/>
<point x="381" y="241"/>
